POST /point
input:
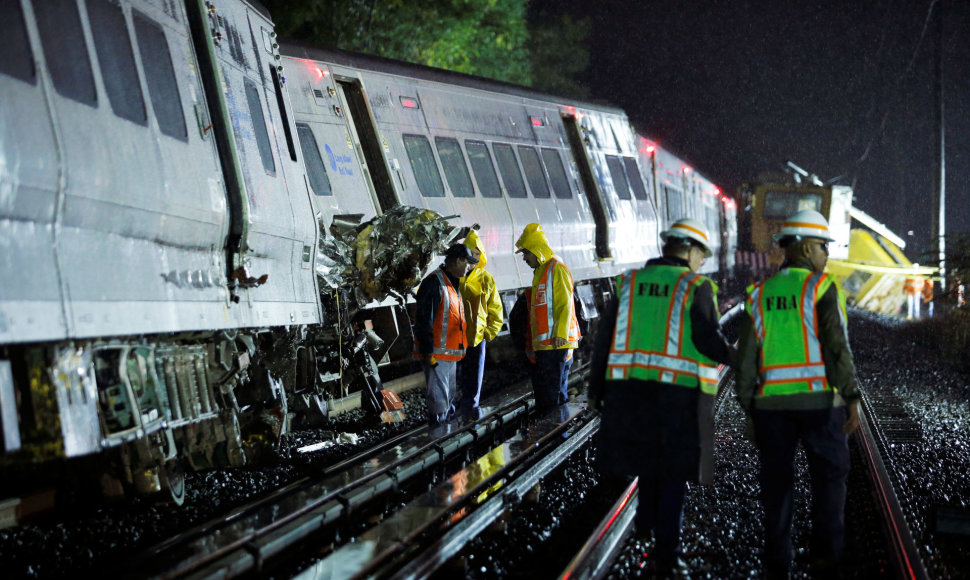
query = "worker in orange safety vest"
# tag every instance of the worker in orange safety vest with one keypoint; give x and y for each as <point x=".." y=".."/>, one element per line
<point x="928" y="296"/>
<point x="553" y="325"/>
<point x="439" y="331"/>
<point x="913" y="288"/>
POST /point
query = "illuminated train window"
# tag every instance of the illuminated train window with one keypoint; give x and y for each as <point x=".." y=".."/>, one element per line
<point x="117" y="60"/>
<point x="160" y="76"/>
<point x="456" y="171"/>
<point x="636" y="181"/>
<point x="18" y="60"/>
<point x="620" y="184"/>
<point x="60" y="30"/>
<point x="509" y="168"/>
<point x="557" y="173"/>
<point x="781" y="204"/>
<point x="483" y="169"/>
<point x="423" y="165"/>
<point x="315" y="169"/>
<point x="533" y="172"/>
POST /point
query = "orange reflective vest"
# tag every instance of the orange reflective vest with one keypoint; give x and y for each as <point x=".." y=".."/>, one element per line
<point x="449" y="323"/>
<point x="927" y="291"/>
<point x="913" y="286"/>
<point x="542" y="318"/>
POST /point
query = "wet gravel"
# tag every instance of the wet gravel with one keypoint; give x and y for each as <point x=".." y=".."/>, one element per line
<point x="722" y="531"/>
<point x="722" y="525"/>
<point x="98" y="537"/>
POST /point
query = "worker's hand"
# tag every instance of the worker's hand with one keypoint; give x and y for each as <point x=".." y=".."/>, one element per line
<point x="559" y="342"/>
<point x="852" y="421"/>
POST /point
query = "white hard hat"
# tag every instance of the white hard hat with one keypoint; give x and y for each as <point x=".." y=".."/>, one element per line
<point x="690" y="229"/>
<point x="807" y="223"/>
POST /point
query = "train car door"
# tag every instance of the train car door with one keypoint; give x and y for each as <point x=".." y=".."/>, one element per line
<point x="360" y="123"/>
<point x="590" y="187"/>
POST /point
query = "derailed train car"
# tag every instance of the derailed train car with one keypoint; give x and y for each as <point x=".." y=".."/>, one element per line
<point x="171" y="180"/>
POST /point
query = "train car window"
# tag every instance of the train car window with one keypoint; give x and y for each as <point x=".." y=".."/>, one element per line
<point x="533" y="172"/>
<point x="259" y="127"/>
<point x="483" y="169"/>
<point x="453" y="162"/>
<point x="162" y="86"/>
<point x="315" y="169"/>
<point x="509" y="168"/>
<point x="422" y="164"/>
<point x="557" y="173"/>
<point x="781" y="204"/>
<point x="117" y="60"/>
<point x="284" y="117"/>
<point x="636" y="180"/>
<point x="675" y="203"/>
<point x="620" y="184"/>
<point x="18" y="60"/>
<point x="61" y="35"/>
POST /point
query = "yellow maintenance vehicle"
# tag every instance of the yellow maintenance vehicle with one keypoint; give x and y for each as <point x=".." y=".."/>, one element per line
<point x="868" y="263"/>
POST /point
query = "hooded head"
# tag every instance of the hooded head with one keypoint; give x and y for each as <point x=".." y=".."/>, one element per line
<point x="534" y="240"/>
<point x="473" y="242"/>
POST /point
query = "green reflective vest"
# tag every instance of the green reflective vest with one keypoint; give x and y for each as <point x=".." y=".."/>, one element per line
<point x="782" y="311"/>
<point x="652" y="339"/>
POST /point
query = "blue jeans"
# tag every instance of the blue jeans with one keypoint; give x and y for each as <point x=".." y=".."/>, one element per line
<point x="471" y="369"/>
<point x="826" y="447"/>
<point x="441" y="379"/>
<point x="550" y="377"/>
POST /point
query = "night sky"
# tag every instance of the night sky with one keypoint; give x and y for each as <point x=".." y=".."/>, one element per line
<point x="841" y="88"/>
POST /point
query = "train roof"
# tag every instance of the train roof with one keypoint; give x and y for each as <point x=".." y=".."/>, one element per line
<point x="297" y="49"/>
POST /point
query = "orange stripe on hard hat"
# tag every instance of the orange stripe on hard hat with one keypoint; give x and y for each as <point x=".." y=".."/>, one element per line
<point x="804" y="225"/>
<point x="695" y="230"/>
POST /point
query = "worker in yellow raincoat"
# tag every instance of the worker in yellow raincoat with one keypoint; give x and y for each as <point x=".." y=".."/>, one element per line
<point x="483" y="321"/>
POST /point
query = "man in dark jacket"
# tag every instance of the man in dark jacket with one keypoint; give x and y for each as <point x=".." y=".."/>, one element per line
<point x="654" y="376"/>
<point x="796" y="381"/>
<point x="439" y="331"/>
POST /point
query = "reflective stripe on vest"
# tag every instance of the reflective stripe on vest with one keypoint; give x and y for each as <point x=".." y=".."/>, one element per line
<point x="803" y="371"/>
<point x="671" y="364"/>
<point x="448" y="336"/>
<point x="542" y="309"/>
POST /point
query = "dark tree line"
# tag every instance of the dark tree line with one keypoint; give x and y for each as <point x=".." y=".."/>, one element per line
<point x="496" y="39"/>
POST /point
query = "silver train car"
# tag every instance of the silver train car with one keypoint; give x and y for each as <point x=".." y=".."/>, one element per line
<point x="166" y="170"/>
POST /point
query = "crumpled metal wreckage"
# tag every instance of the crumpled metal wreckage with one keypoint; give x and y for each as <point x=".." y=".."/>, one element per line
<point x="384" y="256"/>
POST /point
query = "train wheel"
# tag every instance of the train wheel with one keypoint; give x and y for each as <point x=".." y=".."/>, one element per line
<point x="173" y="480"/>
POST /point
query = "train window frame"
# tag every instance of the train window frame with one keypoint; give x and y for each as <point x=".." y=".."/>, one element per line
<point x="634" y="176"/>
<point x="119" y="72"/>
<point x="313" y="161"/>
<point x="66" y="51"/>
<point x="263" y="143"/>
<point x="19" y="63"/>
<point x="483" y="169"/>
<point x="621" y="186"/>
<point x="163" y="89"/>
<point x="508" y="172"/>
<point x="531" y="163"/>
<point x="429" y="182"/>
<point x="455" y="167"/>
<point x="558" y="177"/>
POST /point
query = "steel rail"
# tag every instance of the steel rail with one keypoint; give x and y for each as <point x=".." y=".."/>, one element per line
<point x="244" y="539"/>
<point x="906" y="556"/>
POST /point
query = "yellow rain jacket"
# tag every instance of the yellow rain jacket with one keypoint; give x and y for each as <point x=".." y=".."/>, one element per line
<point x="483" y="305"/>
<point x="563" y="309"/>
